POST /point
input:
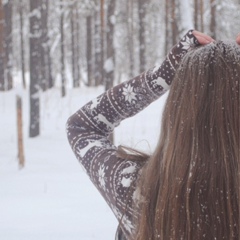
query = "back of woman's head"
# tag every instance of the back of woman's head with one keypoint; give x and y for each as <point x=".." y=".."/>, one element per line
<point x="191" y="183"/>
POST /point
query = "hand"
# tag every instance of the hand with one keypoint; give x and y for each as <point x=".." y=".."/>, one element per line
<point x="238" y="39"/>
<point x="188" y="42"/>
<point x="204" y="39"/>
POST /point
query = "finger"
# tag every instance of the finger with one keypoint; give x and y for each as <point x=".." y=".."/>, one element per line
<point x="202" y="35"/>
<point x="203" y="40"/>
<point x="238" y="39"/>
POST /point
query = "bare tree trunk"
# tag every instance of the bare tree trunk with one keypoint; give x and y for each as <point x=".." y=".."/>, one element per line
<point x="63" y="74"/>
<point x="21" y="159"/>
<point x="49" y="67"/>
<point x="8" y="43"/>
<point x="35" y="67"/>
<point x="48" y="54"/>
<point x="98" y="45"/>
<point x="130" y="37"/>
<point x="174" y="22"/>
<point x="78" y="46"/>
<point x="201" y="16"/>
<point x="196" y="14"/>
<point x="110" y="62"/>
<point x="22" y="44"/>
<point x="167" y="39"/>
<point x="213" y="19"/>
<point x="102" y="39"/>
<point x="46" y="81"/>
<point x="142" y="40"/>
<point x="2" y="78"/>
<point x="75" y="44"/>
<point x="89" y="52"/>
<point x="43" y="47"/>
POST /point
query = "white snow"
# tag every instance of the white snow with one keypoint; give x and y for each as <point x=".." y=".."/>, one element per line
<point x="109" y="65"/>
<point x="186" y="15"/>
<point x="51" y="198"/>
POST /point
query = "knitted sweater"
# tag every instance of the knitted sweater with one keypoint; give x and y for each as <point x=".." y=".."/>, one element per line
<point x="88" y="130"/>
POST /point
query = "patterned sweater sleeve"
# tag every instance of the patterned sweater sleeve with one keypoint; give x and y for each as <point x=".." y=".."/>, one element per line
<point x="89" y="128"/>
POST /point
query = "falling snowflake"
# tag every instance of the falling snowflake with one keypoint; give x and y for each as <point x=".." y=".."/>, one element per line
<point x="101" y="177"/>
<point x="129" y="94"/>
<point x="189" y="42"/>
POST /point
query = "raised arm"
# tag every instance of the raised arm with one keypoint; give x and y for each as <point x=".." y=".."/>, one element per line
<point x="88" y="130"/>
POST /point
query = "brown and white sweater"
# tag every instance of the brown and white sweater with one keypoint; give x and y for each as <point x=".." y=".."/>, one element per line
<point x="88" y="130"/>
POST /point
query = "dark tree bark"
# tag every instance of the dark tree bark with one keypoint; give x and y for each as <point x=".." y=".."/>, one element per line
<point x="109" y="64"/>
<point x="89" y="52"/>
<point x="98" y="66"/>
<point x="142" y="40"/>
<point x="22" y="44"/>
<point x="171" y="24"/>
<point x="21" y="158"/>
<point x="198" y="15"/>
<point x="174" y="22"/>
<point x="48" y="55"/>
<point x="102" y="38"/>
<point x="74" y="43"/>
<point x="213" y="19"/>
<point x="201" y="16"/>
<point x="167" y="30"/>
<point x="2" y="79"/>
<point x="45" y="51"/>
<point x="78" y="80"/>
<point x="130" y="37"/>
<point x="63" y="74"/>
<point x="35" y="67"/>
<point x="49" y="65"/>
<point x="110" y="61"/>
<point x="8" y="43"/>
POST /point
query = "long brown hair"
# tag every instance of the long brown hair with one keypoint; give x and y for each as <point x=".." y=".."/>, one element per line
<point x="191" y="182"/>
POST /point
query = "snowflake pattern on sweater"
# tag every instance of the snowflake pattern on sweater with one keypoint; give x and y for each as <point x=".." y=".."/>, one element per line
<point x="88" y="130"/>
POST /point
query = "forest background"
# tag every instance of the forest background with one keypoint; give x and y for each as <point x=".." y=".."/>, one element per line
<point x="100" y="42"/>
<point x="55" y="56"/>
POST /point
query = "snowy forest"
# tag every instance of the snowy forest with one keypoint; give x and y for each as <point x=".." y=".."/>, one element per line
<point x="54" y="57"/>
<point x="94" y="43"/>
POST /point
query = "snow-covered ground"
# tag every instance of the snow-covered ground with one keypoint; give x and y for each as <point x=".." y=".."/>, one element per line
<point x="51" y="198"/>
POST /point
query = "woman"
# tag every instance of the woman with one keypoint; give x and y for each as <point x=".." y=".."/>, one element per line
<point x="189" y="187"/>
